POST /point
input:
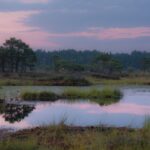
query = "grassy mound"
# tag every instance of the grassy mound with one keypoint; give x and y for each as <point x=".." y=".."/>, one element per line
<point x="105" y="96"/>
<point x="42" y="96"/>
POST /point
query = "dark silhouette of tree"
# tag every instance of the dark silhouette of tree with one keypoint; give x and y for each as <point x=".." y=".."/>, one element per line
<point x="146" y="63"/>
<point x="102" y="62"/>
<point x="16" y="56"/>
<point x="15" y="113"/>
<point x="3" y="58"/>
<point x="106" y="64"/>
<point x="115" y="66"/>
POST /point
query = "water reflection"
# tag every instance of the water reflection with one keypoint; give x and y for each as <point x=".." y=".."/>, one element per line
<point x="15" y="112"/>
<point x="2" y="108"/>
<point x="130" y="111"/>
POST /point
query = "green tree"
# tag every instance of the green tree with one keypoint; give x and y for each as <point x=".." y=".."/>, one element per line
<point x="115" y="66"/>
<point x="3" y="58"/>
<point x="103" y="61"/>
<point x="146" y="63"/>
<point x="57" y="61"/>
<point x="20" y="56"/>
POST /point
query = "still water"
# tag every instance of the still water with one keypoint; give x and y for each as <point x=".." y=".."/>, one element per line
<point x="130" y="111"/>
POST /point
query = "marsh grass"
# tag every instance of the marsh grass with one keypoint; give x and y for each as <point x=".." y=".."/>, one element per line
<point x="62" y="137"/>
<point x="104" y="96"/>
<point x="39" y="96"/>
<point x="56" y="80"/>
<point x="135" y="80"/>
<point x="18" y="145"/>
<point x="147" y="123"/>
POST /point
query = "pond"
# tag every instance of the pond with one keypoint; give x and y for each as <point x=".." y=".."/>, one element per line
<point x="130" y="111"/>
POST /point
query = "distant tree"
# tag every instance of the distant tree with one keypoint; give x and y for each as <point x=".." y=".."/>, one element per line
<point x="57" y="61"/>
<point x="66" y="65"/>
<point x="3" y="58"/>
<point x="115" y="66"/>
<point x="146" y="63"/>
<point x="107" y="64"/>
<point x="103" y="61"/>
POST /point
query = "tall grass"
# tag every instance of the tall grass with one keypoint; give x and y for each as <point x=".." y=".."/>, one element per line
<point x="28" y="144"/>
<point x="147" y="123"/>
<point x="61" y="137"/>
<point x="92" y="93"/>
<point x="105" y="96"/>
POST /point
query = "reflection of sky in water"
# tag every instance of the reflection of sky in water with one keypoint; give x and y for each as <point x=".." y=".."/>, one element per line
<point x="130" y="111"/>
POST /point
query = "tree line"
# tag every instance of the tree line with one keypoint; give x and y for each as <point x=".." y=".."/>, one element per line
<point x="18" y="57"/>
<point x="93" y="60"/>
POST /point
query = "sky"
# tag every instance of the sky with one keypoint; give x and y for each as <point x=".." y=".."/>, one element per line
<point x="106" y="25"/>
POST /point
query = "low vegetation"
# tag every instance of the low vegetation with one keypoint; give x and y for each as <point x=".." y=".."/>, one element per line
<point x="41" y="96"/>
<point x="62" y="137"/>
<point x="101" y="96"/>
<point x="70" y="79"/>
<point x="105" y="96"/>
<point x="50" y="79"/>
<point x="130" y="80"/>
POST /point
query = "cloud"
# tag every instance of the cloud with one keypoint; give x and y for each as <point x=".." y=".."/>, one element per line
<point x="107" y="33"/>
<point x="14" y="21"/>
<point x="122" y="33"/>
<point x="85" y="24"/>
<point x="29" y="1"/>
<point x="13" y="25"/>
<point x="34" y="1"/>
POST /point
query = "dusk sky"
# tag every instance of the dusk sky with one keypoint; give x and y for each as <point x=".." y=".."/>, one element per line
<point x="108" y="25"/>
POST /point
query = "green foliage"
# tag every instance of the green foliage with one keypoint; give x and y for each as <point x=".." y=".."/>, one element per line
<point x="86" y="58"/>
<point x="147" y="123"/>
<point x="105" y="96"/>
<point x="42" y="96"/>
<point x="66" y="65"/>
<point x="106" y="64"/>
<point x="16" y="56"/>
<point x="146" y="63"/>
<point x="74" y="93"/>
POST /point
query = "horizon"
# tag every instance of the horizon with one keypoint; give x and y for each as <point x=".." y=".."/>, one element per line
<point x="91" y="50"/>
<point x="116" y="26"/>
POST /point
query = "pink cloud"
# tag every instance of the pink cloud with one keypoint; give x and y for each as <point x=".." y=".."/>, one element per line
<point x="34" y="1"/>
<point x="124" y="108"/>
<point x="13" y="25"/>
<point x="108" y="33"/>
<point x="119" y="108"/>
<point x="29" y="1"/>
<point x="122" y="33"/>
